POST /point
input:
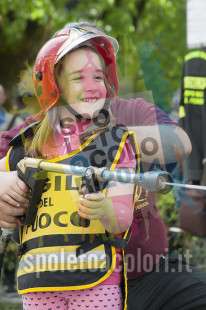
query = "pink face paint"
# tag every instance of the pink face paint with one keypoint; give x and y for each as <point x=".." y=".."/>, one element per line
<point x="92" y="77"/>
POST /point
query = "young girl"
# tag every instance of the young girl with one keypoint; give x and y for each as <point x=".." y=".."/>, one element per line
<point x="66" y="264"/>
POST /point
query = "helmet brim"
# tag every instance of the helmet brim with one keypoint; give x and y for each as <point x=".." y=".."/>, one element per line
<point x="72" y="43"/>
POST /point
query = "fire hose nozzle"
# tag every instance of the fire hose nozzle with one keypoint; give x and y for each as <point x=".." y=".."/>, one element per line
<point x="154" y="181"/>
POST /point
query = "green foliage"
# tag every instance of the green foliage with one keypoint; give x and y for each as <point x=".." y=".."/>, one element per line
<point x="181" y="243"/>
<point x="11" y="257"/>
<point x="17" y="13"/>
<point x="167" y="208"/>
<point x="159" y="25"/>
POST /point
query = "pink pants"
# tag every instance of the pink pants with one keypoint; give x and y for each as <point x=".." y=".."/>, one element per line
<point x="108" y="297"/>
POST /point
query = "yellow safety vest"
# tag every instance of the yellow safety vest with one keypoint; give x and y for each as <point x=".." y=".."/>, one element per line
<point x="49" y="247"/>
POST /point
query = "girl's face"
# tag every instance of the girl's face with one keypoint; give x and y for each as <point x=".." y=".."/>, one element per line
<point x="82" y="83"/>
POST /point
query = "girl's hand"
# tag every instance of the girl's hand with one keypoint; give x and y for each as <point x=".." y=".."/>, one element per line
<point x="95" y="206"/>
<point x="115" y="211"/>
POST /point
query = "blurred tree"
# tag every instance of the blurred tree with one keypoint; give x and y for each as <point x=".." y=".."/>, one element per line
<point x="158" y="25"/>
<point x="24" y="26"/>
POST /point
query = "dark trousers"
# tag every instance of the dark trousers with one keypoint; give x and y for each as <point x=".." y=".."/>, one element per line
<point x="172" y="285"/>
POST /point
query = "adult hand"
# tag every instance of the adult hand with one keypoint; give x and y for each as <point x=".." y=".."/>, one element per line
<point x="14" y="199"/>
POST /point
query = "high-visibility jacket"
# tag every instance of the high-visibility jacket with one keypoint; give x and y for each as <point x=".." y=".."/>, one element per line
<point x="55" y="253"/>
<point x="192" y="109"/>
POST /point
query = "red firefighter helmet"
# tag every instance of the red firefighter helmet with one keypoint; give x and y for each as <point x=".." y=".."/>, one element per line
<point x="58" y="46"/>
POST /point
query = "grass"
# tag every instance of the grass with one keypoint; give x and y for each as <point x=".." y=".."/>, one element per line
<point x="9" y="302"/>
<point x="9" y="306"/>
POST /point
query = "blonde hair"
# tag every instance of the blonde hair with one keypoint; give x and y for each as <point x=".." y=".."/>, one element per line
<point x="47" y="127"/>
